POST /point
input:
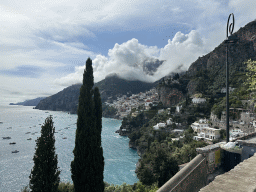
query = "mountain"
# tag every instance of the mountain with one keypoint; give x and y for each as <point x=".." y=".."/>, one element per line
<point x="65" y="100"/>
<point x="150" y="66"/>
<point x="110" y="88"/>
<point x="206" y="75"/>
<point x="214" y="63"/>
<point x="32" y="102"/>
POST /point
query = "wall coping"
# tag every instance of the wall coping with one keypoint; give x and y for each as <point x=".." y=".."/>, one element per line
<point x="209" y="148"/>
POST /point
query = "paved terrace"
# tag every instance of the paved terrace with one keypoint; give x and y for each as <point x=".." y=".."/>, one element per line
<point x="240" y="179"/>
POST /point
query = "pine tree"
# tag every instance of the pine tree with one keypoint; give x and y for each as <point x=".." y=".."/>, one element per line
<point x="88" y="164"/>
<point x="44" y="176"/>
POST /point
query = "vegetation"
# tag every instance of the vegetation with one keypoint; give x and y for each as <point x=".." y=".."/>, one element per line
<point x="108" y="111"/>
<point x="251" y="75"/>
<point x="161" y="158"/>
<point x="136" y="187"/>
<point x="45" y="174"/>
<point x="245" y="87"/>
<point x="88" y="164"/>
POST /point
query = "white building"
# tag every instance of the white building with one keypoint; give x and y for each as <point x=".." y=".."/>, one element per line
<point x="204" y="131"/>
<point x="197" y="126"/>
<point x="178" y="108"/>
<point x="198" y="100"/>
<point x="236" y="132"/>
<point x="169" y="121"/>
<point x="208" y="133"/>
<point x="160" y="111"/>
<point x="224" y="90"/>
<point x="159" y="125"/>
<point x="178" y="131"/>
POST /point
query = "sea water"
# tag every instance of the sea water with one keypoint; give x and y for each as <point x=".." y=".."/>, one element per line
<point x="15" y="168"/>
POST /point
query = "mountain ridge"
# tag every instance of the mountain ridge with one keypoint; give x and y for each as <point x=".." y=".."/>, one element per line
<point x="110" y="88"/>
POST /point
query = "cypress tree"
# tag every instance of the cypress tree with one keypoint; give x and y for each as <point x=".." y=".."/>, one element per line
<point x="98" y="121"/>
<point x="86" y="168"/>
<point x="44" y="176"/>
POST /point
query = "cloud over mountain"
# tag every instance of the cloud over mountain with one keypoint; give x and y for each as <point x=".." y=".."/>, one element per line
<point x="134" y="61"/>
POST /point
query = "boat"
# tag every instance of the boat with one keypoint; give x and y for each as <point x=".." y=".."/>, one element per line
<point x="27" y="132"/>
<point x="1" y="122"/>
<point x="32" y="133"/>
<point x="64" y="138"/>
<point x="29" y="139"/>
<point x="15" y="151"/>
<point x="12" y="143"/>
<point x="6" y="137"/>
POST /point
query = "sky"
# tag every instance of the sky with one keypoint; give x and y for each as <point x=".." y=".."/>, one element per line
<point x="45" y="44"/>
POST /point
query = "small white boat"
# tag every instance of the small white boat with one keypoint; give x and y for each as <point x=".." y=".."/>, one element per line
<point x="29" y="139"/>
<point x="15" y="151"/>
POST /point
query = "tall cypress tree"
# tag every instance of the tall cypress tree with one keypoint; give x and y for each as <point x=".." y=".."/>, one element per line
<point x="44" y="176"/>
<point x="86" y="168"/>
<point x="98" y="121"/>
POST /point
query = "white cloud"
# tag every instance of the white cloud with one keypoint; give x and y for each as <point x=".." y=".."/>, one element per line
<point x="72" y="78"/>
<point x="48" y="34"/>
<point x="127" y="59"/>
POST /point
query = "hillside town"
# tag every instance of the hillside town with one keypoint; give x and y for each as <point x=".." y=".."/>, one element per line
<point x="124" y="104"/>
<point x="206" y="129"/>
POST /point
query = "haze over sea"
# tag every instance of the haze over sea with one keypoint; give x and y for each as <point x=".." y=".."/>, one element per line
<point x="15" y="168"/>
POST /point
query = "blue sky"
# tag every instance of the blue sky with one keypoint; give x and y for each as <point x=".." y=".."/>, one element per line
<point x="45" y="44"/>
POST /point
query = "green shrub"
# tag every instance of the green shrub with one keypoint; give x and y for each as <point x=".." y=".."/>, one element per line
<point x="65" y="187"/>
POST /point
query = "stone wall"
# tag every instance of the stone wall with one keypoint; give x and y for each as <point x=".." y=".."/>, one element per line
<point x="191" y="178"/>
<point x="198" y="172"/>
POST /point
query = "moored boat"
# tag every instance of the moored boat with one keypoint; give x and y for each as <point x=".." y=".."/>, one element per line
<point x="29" y="139"/>
<point x="64" y="138"/>
<point x="6" y="137"/>
<point x="15" y="151"/>
<point x="12" y="143"/>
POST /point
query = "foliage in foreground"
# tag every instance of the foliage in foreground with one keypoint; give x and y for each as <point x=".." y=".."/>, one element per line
<point x="88" y="164"/>
<point x="45" y="174"/>
<point x="137" y="187"/>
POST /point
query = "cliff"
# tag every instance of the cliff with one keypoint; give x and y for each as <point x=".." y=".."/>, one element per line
<point x="215" y="62"/>
<point x="172" y="91"/>
<point x="65" y="100"/>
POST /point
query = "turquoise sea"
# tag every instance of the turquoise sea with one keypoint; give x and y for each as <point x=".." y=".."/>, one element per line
<point x="15" y="168"/>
